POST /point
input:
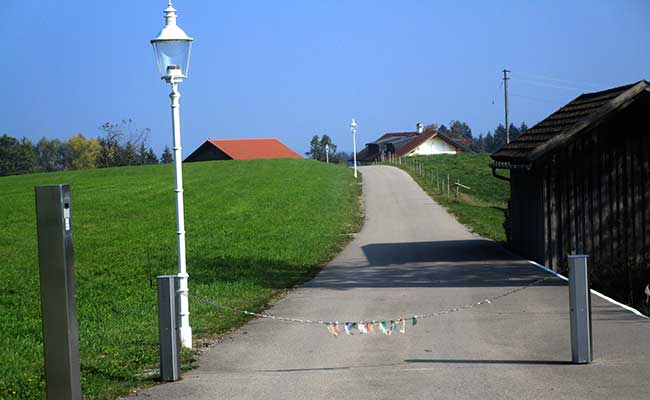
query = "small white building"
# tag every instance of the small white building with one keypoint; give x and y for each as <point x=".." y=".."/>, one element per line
<point x="405" y="144"/>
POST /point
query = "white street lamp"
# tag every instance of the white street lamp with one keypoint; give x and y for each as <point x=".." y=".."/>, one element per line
<point x="353" y="126"/>
<point x="172" y="48"/>
<point x="327" y="153"/>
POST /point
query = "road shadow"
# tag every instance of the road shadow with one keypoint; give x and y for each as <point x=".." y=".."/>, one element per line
<point x="454" y="251"/>
<point x="453" y="263"/>
<point x="456" y="263"/>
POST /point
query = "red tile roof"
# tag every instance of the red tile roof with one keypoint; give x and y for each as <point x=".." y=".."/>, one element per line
<point x="249" y="149"/>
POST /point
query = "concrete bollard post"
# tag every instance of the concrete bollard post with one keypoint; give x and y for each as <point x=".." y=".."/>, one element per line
<point x="58" y="303"/>
<point x="580" y="307"/>
<point x="170" y="344"/>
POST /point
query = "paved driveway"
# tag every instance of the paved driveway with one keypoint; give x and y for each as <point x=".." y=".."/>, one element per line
<point x="413" y="258"/>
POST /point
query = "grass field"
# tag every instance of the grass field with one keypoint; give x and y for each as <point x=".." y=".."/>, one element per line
<point x="254" y="229"/>
<point x="482" y="207"/>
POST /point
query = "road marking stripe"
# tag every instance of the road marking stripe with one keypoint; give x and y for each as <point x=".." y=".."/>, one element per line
<point x="602" y="296"/>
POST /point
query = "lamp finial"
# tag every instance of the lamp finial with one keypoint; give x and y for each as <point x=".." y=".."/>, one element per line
<point x="170" y="14"/>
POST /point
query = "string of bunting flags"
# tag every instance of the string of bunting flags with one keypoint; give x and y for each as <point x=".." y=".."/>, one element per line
<point x="352" y="328"/>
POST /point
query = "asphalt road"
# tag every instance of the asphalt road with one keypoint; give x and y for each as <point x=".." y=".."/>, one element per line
<point x="413" y="258"/>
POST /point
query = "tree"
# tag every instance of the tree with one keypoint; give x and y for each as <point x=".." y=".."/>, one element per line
<point x="151" y="157"/>
<point x="51" y="154"/>
<point x="167" y="157"/>
<point x="489" y="142"/>
<point x="341" y="157"/>
<point x="478" y="145"/>
<point x="493" y="142"/>
<point x="499" y="138"/>
<point x="127" y="155"/>
<point x="318" y="148"/>
<point x="83" y="152"/>
<point x="315" y="152"/>
<point x="17" y="156"/>
<point x="119" y="143"/>
<point x="329" y="148"/>
<point x="460" y="130"/>
<point x="110" y="144"/>
<point x="142" y="154"/>
<point x="434" y="127"/>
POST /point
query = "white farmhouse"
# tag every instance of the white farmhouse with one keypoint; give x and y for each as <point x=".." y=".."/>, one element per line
<point x="405" y="144"/>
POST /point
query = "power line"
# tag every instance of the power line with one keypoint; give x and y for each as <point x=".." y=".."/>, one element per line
<point x="534" y="98"/>
<point x="547" y="78"/>
<point x="544" y="84"/>
<point x="496" y="93"/>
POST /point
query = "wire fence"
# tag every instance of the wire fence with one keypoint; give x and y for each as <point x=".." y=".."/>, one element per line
<point x="444" y="183"/>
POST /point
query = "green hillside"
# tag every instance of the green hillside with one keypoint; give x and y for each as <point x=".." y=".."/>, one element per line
<point x="482" y="207"/>
<point x="254" y="228"/>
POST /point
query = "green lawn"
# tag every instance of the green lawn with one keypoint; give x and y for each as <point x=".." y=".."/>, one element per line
<point x="254" y="229"/>
<point x="482" y="207"/>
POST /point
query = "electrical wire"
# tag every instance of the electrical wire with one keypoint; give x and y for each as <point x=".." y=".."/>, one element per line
<point x="534" y="98"/>
<point x="561" y="81"/>
<point x="549" y="85"/>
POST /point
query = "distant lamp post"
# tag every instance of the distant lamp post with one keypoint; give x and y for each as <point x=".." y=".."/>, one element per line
<point x="353" y="127"/>
<point x="327" y="153"/>
<point x="172" y="48"/>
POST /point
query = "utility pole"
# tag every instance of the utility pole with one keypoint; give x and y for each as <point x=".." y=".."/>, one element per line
<point x="505" y="91"/>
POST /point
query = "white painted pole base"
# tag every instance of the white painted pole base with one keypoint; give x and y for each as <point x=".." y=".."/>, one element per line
<point x="184" y="311"/>
<point x="186" y="336"/>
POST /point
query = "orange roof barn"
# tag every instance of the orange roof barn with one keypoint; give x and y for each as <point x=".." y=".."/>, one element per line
<point x="241" y="149"/>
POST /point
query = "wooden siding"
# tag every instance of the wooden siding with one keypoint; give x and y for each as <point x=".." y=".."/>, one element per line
<point x="591" y="196"/>
<point x="207" y="152"/>
<point x="527" y="218"/>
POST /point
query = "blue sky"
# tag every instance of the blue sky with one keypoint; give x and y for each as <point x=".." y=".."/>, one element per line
<point x="292" y="69"/>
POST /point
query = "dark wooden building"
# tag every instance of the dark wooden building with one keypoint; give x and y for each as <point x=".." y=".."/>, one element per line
<point x="580" y="180"/>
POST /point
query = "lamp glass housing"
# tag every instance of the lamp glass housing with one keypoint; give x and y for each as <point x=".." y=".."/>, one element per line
<point x="174" y="54"/>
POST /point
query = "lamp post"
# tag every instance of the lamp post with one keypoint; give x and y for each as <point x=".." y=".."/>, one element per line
<point x="172" y="48"/>
<point x="353" y="127"/>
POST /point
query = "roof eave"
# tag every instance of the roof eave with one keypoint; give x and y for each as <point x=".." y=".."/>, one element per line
<point x="616" y="104"/>
<point x="220" y="149"/>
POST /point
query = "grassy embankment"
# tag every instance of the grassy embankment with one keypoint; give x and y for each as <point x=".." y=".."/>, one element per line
<point x="254" y="229"/>
<point x="482" y="207"/>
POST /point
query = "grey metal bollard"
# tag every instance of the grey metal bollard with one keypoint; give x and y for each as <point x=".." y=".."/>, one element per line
<point x="170" y="344"/>
<point x="58" y="303"/>
<point x="580" y="306"/>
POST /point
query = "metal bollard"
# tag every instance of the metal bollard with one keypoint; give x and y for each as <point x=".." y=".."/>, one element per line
<point x="580" y="306"/>
<point x="58" y="304"/>
<point x="170" y="344"/>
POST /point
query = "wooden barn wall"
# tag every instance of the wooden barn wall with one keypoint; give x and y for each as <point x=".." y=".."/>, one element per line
<point x="207" y="152"/>
<point x="592" y="197"/>
<point x="527" y="218"/>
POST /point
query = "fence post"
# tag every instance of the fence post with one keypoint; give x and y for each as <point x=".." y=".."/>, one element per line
<point x="448" y="185"/>
<point x="58" y="304"/>
<point x="170" y="344"/>
<point x="580" y="307"/>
